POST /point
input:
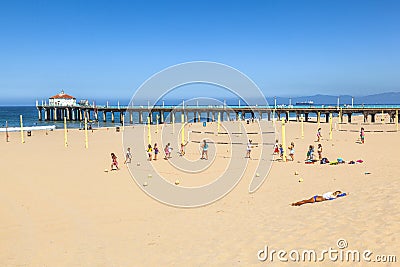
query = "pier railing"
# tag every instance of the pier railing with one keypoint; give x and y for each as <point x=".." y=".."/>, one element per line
<point x="79" y="112"/>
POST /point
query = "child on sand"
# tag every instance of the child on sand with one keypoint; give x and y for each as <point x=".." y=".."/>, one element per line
<point x="150" y="152"/>
<point x="128" y="156"/>
<point x="114" y="162"/>
<point x="362" y="135"/>
<point x="310" y="153"/>
<point x="291" y="151"/>
<point x="182" y="152"/>
<point x="248" y="149"/>
<point x="276" y="147"/>
<point x="324" y="197"/>
<point x="204" y="153"/>
<point x="166" y="151"/>
<point x="319" y="150"/>
<point x="169" y="150"/>
<point x="319" y="136"/>
<point x="281" y="151"/>
<point x="156" y="151"/>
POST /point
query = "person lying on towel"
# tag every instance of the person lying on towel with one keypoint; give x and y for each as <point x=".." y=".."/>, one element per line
<point x="324" y="197"/>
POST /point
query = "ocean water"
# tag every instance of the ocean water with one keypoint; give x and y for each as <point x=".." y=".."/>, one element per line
<point x="30" y="117"/>
<point x="11" y="115"/>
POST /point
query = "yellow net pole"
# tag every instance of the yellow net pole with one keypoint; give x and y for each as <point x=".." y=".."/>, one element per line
<point x="302" y="127"/>
<point x="65" y="133"/>
<point x="397" y="120"/>
<point x="148" y="130"/>
<point x="284" y="139"/>
<point x="183" y="128"/>
<point x="239" y="126"/>
<point x="219" y="122"/>
<point x="157" y="124"/>
<point x="22" y="129"/>
<point x="173" y="122"/>
<point x="123" y="122"/>
<point x="330" y="126"/>
<point x="273" y="117"/>
<point x="86" y="133"/>
<point x="318" y="118"/>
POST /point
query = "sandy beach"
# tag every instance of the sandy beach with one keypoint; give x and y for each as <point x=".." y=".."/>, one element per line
<point x="60" y="208"/>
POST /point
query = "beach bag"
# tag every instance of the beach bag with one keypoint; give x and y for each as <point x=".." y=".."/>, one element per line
<point x="324" y="161"/>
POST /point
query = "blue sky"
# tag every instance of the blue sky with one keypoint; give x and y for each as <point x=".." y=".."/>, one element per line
<point x="106" y="49"/>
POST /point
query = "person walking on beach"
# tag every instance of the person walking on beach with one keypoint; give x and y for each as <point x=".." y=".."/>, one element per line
<point x="169" y="150"/>
<point x="324" y="197"/>
<point x="281" y="151"/>
<point x="276" y="147"/>
<point x="114" y="162"/>
<point x="362" y="135"/>
<point x="204" y="153"/>
<point x="182" y="151"/>
<point x="310" y="153"/>
<point x="128" y="156"/>
<point x="150" y="152"/>
<point x="319" y="135"/>
<point x="319" y="150"/>
<point x="291" y="151"/>
<point x="166" y="152"/>
<point x="248" y="149"/>
<point x="156" y="151"/>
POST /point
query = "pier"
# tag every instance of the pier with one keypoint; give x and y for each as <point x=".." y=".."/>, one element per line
<point x="210" y="113"/>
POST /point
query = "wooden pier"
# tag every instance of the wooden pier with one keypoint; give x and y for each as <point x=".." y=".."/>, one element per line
<point x="99" y="113"/>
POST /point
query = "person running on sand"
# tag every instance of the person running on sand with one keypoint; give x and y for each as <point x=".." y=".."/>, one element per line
<point x="114" y="162"/>
<point x="128" y="156"/>
<point x="324" y="197"/>
<point x="150" y="152"/>
<point x="291" y="151"/>
<point x="156" y="151"/>
<point x="169" y="150"/>
<point x="281" y="151"/>
<point x="276" y="147"/>
<point x="362" y="135"/>
<point x="182" y="151"/>
<point x="248" y="149"/>
<point x="204" y="153"/>
<point x="166" y="151"/>
<point x="319" y="135"/>
<point x="319" y="150"/>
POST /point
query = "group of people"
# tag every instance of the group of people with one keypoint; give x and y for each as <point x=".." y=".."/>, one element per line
<point x="278" y="150"/>
<point x="114" y="161"/>
<point x="310" y="152"/>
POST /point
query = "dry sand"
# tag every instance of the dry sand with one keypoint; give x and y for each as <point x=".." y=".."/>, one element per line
<point x="59" y="207"/>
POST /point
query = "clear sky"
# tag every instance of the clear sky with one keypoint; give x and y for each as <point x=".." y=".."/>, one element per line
<point x="106" y="49"/>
